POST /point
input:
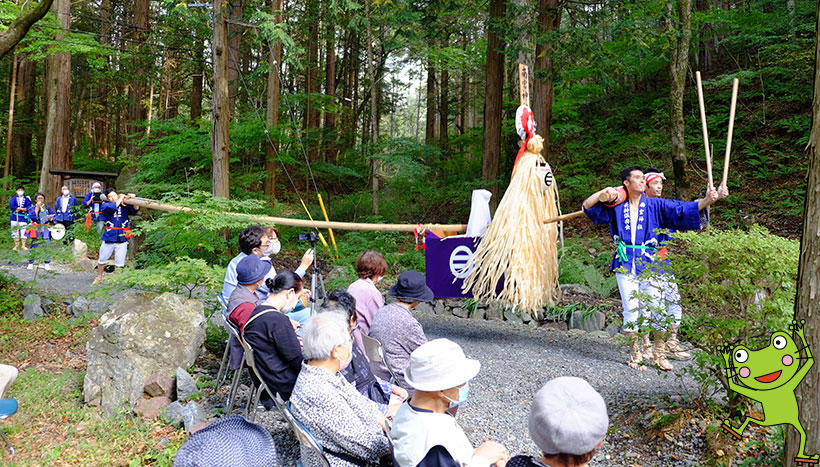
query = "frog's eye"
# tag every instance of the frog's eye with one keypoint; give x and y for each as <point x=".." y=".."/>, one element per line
<point x="779" y="342"/>
<point x="741" y="355"/>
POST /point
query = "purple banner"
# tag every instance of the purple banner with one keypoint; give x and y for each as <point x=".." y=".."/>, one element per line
<point x="445" y="261"/>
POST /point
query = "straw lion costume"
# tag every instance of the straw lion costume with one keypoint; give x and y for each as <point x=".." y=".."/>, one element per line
<point x="518" y="246"/>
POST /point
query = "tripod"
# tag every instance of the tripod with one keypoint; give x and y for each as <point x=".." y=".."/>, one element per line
<point x="315" y="279"/>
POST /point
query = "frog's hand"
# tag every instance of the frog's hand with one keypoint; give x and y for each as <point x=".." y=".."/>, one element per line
<point x="726" y="352"/>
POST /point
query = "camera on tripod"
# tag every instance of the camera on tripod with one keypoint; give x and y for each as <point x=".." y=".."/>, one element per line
<point x="308" y="237"/>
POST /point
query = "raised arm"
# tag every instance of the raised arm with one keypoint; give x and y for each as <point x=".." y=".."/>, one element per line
<point x="606" y="195"/>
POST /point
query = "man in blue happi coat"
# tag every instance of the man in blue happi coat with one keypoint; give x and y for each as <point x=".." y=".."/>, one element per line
<point x="65" y="207"/>
<point x="19" y="217"/>
<point x="117" y="230"/>
<point x="634" y="226"/>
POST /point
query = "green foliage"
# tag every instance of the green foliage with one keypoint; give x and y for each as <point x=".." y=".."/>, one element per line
<point x="182" y="276"/>
<point x="586" y="262"/>
<point x="11" y="297"/>
<point x="736" y="287"/>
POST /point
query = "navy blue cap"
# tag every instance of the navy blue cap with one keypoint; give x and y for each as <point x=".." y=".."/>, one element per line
<point x="411" y="287"/>
<point x="251" y="269"/>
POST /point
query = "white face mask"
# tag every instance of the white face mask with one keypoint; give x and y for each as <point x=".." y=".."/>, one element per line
<point x="273" y="248"/>
<point x="65" y="192"/>
<point x="20" y="192"/>
<point x="96" y="190"/>
<point x="378" y="279"/>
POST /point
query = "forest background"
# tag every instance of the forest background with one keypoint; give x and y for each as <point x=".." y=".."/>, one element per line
<point x="395" y="110"/>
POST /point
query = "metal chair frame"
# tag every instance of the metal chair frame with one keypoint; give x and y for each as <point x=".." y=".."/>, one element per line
<point x="375" y="353"/>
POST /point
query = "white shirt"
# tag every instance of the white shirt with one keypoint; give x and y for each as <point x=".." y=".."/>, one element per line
<point x="415" y="432"/>
<point x="64" y="203"/>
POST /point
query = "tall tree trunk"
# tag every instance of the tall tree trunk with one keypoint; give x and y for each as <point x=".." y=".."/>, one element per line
<point x="430" y="120"/>
<point x="137" y="91"/>
<point x="312" y="81"/>
<point x="102" y="113"/>
<point x="221" y="107"/>
<point x="444" y="107"/>
<point x="330" y="90"/>
<point x="9" y="133"/>
<point x="196" y="85"/>
<point x="494" y="81"/>
<point x="22" y="158"/>
<point x="234" y="54"/>
<point x="56" y="149"/>
<point x="807" y="300"/>
<point x="371" y="72"/>
<point x="549" y="19"/>
<point x="679" y="26"/>
<point x="274" y="87"/>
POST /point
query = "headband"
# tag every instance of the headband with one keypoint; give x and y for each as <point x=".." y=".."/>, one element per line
<point x="654" y="175"/>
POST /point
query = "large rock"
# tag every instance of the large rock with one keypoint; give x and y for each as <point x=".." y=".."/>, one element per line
<point x="32" y="308"/>
<point x="79" y="249"/>
<point x="151" y="408"/>
<point x="594" y="321"/>
<point x="83" y="305"/>
<point x="142" y="335"/>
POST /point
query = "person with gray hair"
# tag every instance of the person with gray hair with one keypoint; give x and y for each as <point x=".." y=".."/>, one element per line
<point x="350" y="428"/>
<point x="568" y="422"/>
<point x="386" y="396"/>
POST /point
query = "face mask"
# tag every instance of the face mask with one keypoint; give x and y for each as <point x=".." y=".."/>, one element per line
<point x="273" y="248"/>
<point x="379" y="279"/>
<point x="65" y="192"/>
<point x="96" y="190"/>
<point x="463" y="391"/>
<point x="20" y="192"/>
<point x="290" y="307"/>
<point x="346" y="363"/>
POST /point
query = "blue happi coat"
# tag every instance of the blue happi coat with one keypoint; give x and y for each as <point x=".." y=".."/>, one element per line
<point x="68" y="214"/>
<point x="116" y="221"/>
<point x="19" y="202"/>
<point x="653" y="214"/>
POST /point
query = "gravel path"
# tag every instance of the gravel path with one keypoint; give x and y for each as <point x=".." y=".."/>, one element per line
<point x="516" y="361"/>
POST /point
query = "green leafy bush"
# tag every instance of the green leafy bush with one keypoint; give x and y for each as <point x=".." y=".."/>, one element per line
<point x="183" y="276"/>
<point x="11" y="299"/>
<point x="736" y="287"/>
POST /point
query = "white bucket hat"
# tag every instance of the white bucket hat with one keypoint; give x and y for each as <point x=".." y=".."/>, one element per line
<point x="438" y="365"/>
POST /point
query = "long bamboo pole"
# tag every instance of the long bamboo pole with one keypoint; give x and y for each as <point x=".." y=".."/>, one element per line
<point x="731" y="130"/>
<point x="705" y="130"/>
<point x="153" y="204"/>
<point x="7" y="166"/>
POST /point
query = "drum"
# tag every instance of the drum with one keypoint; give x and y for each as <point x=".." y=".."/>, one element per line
<point x="57" y="231"/>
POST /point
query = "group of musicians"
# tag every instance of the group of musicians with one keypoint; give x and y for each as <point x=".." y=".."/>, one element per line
<point x="104" y="210"/>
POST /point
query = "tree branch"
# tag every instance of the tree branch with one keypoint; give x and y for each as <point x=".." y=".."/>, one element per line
<point x="20" y="26"/>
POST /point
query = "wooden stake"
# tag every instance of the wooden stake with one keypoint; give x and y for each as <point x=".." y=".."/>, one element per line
<point x="729" y="135"/>
<point x="524" y="84"/>
<point x="705" y="130"/>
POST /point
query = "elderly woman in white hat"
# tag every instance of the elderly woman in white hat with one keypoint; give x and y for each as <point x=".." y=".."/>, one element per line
<point x="423" y="433"/>
<point x="347" y="425"/>
<point x="568" y="423"/>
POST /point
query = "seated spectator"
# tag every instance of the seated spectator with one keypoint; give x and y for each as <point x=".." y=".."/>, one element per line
<point x="250" y="275"/>
<point x="272" y="335"/>
<point x="345" y="423"/>
<point x="395" y="327"/>
<point x="8" y="374"/>
<point x="371" y="267"/>
<point x="254" y="241"/>
<point x="423" y="433"/>
<point x="231" y="440"/>
<point x="387" y="397"/>
<point x="568" y="423"/>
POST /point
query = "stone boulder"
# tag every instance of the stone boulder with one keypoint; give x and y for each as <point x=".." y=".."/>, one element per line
<point x="142" y="335"/>
<point x="79" y="249"/>
<point x="186" y="385"/>
<point x="588" y="321"/>
<point x="32" y="308"/>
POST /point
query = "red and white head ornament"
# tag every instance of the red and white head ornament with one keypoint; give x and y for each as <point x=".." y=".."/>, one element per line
<point x="654" y="176"/>
<point x="524" y="126"/>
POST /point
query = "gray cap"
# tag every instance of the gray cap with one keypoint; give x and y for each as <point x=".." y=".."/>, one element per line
<point x="568" y="417"/>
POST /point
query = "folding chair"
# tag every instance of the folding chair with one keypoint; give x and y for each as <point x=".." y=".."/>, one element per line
<point x="8" y="407"/>
<point x="237" y="375"/>
<point x="374" y="352"/>
<point x="223" y="367"/>
<point x="302" y="434"/>
<point x="256" y="394"/>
